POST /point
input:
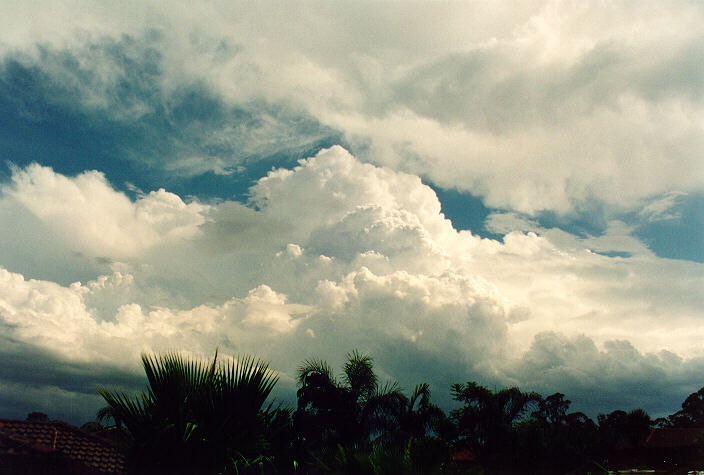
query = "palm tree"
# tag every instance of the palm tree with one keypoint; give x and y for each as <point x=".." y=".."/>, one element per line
<point x="348" y="412"/>
<point x="196" y="417"/>
<point x="409" y="419"/>
<point x="414" y="430"/>
<point x="486" y="421"/>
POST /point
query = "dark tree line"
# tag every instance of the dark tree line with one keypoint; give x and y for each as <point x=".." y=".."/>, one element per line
<point x="213" y="417"/>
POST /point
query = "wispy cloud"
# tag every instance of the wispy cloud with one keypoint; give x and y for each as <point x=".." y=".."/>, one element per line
<point x="533" y="108"/>
<point x="664" y="208"/>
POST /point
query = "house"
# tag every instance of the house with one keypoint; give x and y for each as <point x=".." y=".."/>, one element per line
<point x="28" y="448"/>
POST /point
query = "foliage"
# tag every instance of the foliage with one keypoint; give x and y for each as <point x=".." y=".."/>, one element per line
<point x="554" y="440"/>
<point x="692" y="412"/>
<point x="37" y="417"/>
<point x="347" y="412"/>
<point x="486" y="421"/>
<point x="197" y="417"/>
<point x="208" y="417"/>
<point x="620" y="428"/>
<point x="357" y="425"/>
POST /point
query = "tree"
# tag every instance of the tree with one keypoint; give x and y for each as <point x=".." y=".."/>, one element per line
<point x="197" y="417"/>
<point x="621" y="433"/>
<point x="347" y="412"/>
<point x="37" y="417"/>
<point x="354" y="424"/>
<point x="692" y="412"/>
<point x="621" y="428"/>
<point x="414" y="417"/>
<point x="486" y="421"/>
<point x="554" y="440"/>
<point x="553" y="410"/>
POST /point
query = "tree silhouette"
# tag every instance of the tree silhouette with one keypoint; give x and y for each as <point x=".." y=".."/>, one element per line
<point x="486" y="420"/>
<point x="554" y="440"/>
<point x="621" y="428"/>
<point x="196" y="417"/>
<point x="414" y="417"/>
<point x="692" y="412"/>
<point x="347" y="412"/>
<point x="553" y="410"/>
<point x="36" y="416"/>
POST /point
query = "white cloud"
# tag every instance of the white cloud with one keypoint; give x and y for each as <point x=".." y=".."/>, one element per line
<point x="339" y="254"/>
<point x="58" y="319"/>
<point x="504" y="223"/>
<point x="93" y="218"/>
<point x="537" y="106"/>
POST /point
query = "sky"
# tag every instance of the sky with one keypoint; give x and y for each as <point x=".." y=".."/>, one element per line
<point x="503" y="192"/>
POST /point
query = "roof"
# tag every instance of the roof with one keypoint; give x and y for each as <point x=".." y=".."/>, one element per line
<point x="674" y="437"/>
<point x="464" y="455"/>
<point x="31" y="438"/>
<point x="14" y="446"/>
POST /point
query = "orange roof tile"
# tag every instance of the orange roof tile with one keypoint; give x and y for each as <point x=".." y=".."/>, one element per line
<point x="63" y="438"/>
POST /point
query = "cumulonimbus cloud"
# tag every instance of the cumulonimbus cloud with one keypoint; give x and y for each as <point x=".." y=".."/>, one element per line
<point x="343" y="254"/>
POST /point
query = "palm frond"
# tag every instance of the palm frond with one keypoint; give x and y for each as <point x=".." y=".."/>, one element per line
<point x="359" y="374"/>
<point x="249" y="380"/>
<point x="133" y="412"/>
<point x="421" y="394"/>
<point x="196" y="411"/>
<point x="318" y="367"/>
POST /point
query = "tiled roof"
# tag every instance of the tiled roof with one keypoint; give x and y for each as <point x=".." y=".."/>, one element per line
<point x="14" y="446"/>
<point x="674" y="437"/>
<point x="59" y="437"/>
<point x="464" y="455"/>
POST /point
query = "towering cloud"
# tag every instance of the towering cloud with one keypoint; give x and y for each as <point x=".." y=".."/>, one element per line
<point x="336" y="254"/>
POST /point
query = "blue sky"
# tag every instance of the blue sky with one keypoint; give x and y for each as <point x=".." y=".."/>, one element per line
<point x="513" y="196"/>
<point x="40" y="125"/>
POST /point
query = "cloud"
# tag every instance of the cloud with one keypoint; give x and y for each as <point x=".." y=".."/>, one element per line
<point x="504" y="223"/>
<point x="542" y="106"/>
<point x="550" y="112"/>
<point x="662" y="209"/>
<point x="88" y="213"/>
<point x="110" y="94"/>
<point x="336" y="254"/>
<point x="59" y="319"/>
<point x="34" y="379"/>
<point x="615" y="375"/>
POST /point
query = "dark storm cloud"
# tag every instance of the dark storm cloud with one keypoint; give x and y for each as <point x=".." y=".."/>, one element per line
<point x="600" y="380"/>
<point x="34" y="379"/>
